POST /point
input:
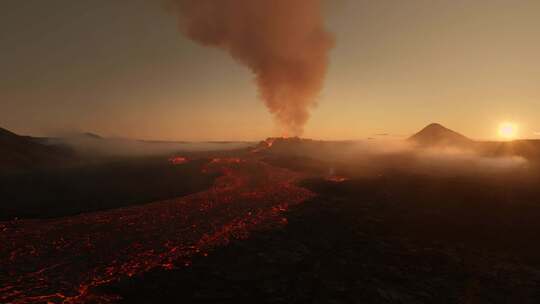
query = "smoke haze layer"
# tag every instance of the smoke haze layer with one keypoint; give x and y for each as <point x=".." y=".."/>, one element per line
<point x="283" y="42"/>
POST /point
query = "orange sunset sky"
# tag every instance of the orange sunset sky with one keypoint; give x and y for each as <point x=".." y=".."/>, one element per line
<point x="121" y="68"/>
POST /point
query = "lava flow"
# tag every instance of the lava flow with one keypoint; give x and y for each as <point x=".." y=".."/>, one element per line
<point x="63" y="260"/>
<point x="178" y="160"/>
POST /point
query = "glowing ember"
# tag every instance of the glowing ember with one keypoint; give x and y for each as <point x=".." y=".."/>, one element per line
<point x="264" y="145"/>
<point x="230" y="160"/>
<point x="336" y="179"/>
<point x="62" y="260"/>
<point x="178" y="160"/>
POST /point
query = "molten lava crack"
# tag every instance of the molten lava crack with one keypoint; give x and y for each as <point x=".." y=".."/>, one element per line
<point x="62" y="260"/>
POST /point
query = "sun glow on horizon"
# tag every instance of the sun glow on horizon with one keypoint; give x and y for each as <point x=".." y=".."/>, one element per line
<point x="508" y="130"/>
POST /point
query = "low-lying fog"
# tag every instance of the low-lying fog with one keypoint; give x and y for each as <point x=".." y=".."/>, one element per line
<point x="449" y="158"/>
<point x="370" y="157"/>
<point x="87" y="145"/>
<point x="365" y="157"/>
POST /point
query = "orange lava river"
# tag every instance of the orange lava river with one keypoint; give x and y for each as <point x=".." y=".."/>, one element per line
<point x="62" y="260"/>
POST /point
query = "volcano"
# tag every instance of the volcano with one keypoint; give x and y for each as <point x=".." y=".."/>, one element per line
<point x="436" y="135"/>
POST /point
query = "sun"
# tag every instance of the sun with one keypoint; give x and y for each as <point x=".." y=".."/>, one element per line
<point x="508" y="130"/>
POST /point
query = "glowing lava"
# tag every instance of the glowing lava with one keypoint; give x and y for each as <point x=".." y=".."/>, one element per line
<point x="62" y="260"/>
<point x="264" y="145"/>
<point x="178" y="160"/>
<point x="336" y="179"/>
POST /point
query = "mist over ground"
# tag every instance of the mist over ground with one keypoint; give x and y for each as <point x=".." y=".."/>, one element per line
<point x="93" y="145"/>
<point x="374" y="157"/>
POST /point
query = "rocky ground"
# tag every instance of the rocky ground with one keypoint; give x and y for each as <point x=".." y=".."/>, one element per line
<point x="342" y="249"/>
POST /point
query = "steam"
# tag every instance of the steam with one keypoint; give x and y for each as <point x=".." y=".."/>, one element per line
<point x="283" y="42"/>
<point x="118" y="147"/>
<point x="372" y="158"/>
<point x="455" y="159"/>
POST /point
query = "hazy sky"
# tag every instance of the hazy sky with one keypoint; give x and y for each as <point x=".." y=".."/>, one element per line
<point x="121" y="68"/>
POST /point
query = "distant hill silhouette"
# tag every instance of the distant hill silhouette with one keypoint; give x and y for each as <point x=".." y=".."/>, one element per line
<point x="440" y="136"/>
<point x="23" y="152"/>
<point x="436" y="135"/>
<point x="90" y="135"/>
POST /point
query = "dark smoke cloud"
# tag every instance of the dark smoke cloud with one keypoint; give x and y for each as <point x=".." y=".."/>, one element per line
<point x="283" y="42"/>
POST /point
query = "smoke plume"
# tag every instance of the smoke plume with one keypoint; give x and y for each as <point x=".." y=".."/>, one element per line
<point x="283" y="42"/>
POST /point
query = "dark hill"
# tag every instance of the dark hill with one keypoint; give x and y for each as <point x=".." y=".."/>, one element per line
<point x="437" y="135"/>
<point x="22" y="152"/>
<point x="91" y="135"/>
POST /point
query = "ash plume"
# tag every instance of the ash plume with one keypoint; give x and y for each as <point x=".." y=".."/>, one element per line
<point x="283" y="42"/>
